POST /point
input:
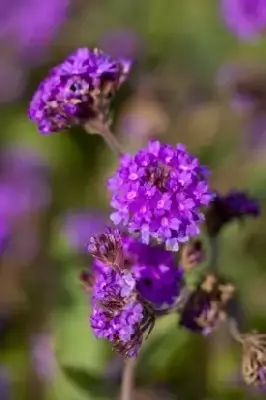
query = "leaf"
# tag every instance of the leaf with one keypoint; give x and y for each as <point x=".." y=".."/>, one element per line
<point x="88" y="382"/>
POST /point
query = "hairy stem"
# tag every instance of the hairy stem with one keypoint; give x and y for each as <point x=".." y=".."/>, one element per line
<point x="128" y="378"/>
<point x="103" y="130"/>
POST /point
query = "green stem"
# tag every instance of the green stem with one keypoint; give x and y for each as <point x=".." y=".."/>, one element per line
<point x="103" y="130"/>
<point x="128" y="378"/>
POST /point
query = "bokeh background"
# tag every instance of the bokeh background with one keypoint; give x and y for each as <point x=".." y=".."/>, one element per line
<point x="53" y="196"/>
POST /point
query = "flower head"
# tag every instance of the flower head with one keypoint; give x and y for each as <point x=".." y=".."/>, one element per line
<point x="206" y="306"/>
<point x="119" y="314"/>
<point x="159" y="193"/>
<point x="77" y="90"/>
<point x="223" y="209"/>
<point x="158" y="279"/>
<point x="246" y="18"/>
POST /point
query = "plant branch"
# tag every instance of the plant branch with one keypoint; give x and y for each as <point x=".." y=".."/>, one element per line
<point x="128" y="378"/>
<point x="102" y="129"/>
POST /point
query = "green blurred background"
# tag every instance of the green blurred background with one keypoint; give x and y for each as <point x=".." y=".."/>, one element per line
<point x="172" y="94"/>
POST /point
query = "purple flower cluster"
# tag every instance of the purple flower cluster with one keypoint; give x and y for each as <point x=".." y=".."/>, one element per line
<point x="240" y="204"/>
<point x="246" y="18"/>
<point x="77" y="90"/>
<point x="223" y="209"/>
<point x="118" y="314"/>
<point x="24" y="189"/>
<point x="158" y="279"/>
<point x="159" y="193"/>
<point x="31" y="25"/>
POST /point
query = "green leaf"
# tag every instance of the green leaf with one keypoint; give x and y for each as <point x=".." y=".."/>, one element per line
<point x="88" y="382"/>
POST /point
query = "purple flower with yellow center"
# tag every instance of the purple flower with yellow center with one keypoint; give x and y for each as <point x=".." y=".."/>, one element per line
<point x="246" y="18"/>
<point x="159" y="193"/>
<point x="119" y="314"/>
<point x="223" y="209"/>
<point x="78" y="90"/>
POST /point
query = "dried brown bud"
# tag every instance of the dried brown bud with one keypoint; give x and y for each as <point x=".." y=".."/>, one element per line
<point x="254" y="359"/>
<point x="191" y="254"/>
<point x="207" y="305"/>
<point x="107" y="248"/>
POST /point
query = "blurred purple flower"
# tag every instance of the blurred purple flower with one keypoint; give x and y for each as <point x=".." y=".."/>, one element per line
<point x="13" y="78"/>
<point x="24" y="189"/>
<point x="79" y="226"/>
<point x="78" y="90"/>
<point x="245" y="86"/>
<point x="256" y="132"/>
<point x="31" y="25"/>
<point x="246" y="18"/>
<point x="24" y="181"/>
<point x="121" y="43"/>
<point x="5" y="385"/>
<point x="235" y="205"/>
<point x="43" y="357"/>
<point x="158" y="279"/>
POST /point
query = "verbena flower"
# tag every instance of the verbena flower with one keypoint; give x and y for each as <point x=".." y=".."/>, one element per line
<point x="78" y="90"/>
<point x="246" y="18"/>
<point x="158" y="279"/>
<point x="77" y="226"/>
<point x="119" y="313"/>
<point x="224" y="209"/>
<point x="206" y="306"/>
<point x="159" y="193"/>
